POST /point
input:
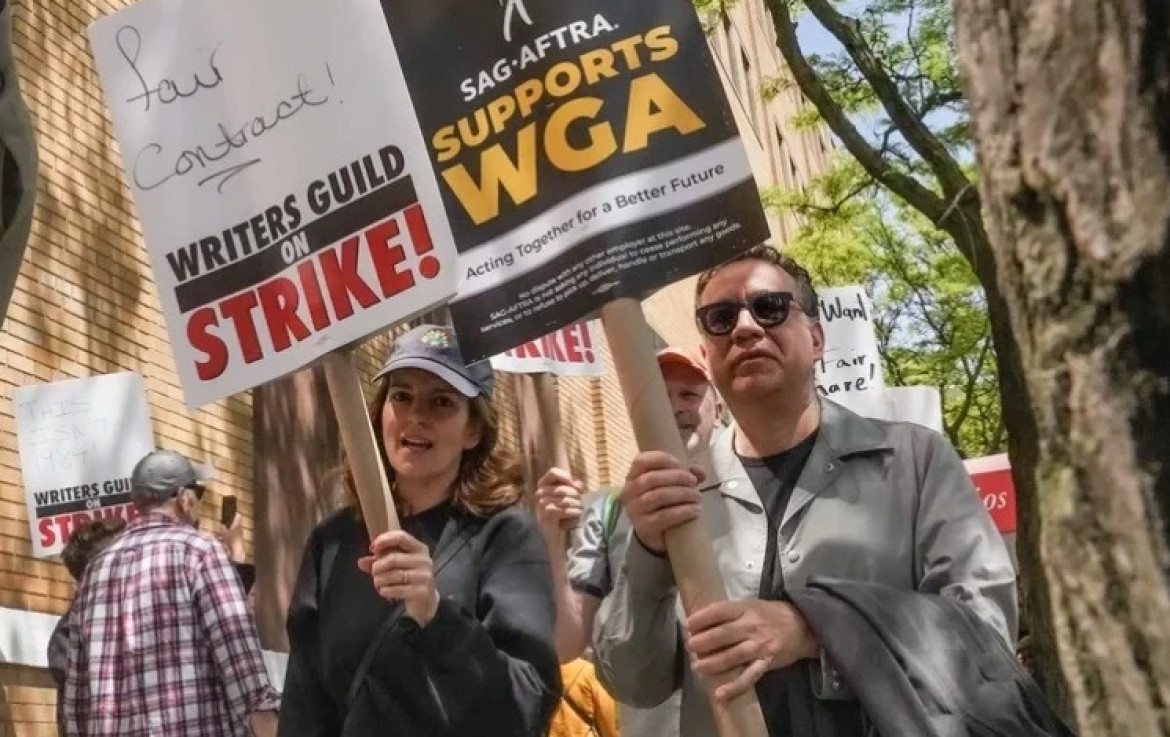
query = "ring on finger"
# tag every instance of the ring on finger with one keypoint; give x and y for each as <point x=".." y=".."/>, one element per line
<point x="405" y="577"/>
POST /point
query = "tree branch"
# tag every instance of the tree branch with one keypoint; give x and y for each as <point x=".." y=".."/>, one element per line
<point x="896" y="263"/>
<point x="903" y="185"/>
<point x="950" y="175"/>
<point x="941" y="99"/>
<point x="915" y="51"/>
<point x="973" y="380"/>
<point x="837" y="204"/>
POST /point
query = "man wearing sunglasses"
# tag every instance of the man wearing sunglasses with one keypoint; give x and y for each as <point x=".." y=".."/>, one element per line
<point x="164" y="642"/>
<point x="806" y="489"/>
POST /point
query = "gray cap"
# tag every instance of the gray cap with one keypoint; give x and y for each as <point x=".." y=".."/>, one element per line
<point x="433" y="348"/>
<point x="160" y="474"/>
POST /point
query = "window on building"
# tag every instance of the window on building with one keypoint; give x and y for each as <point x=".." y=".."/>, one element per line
<point x="736" y="62"/>
<point x="728" y="48"/>
<point x="747" y="69"/>
<point x="774" y="155"/>
<point x="783" y="177"/>
<point x="753" y="95"/>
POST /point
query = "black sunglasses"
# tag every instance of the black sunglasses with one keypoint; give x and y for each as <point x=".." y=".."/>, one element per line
<point x="768" y="309"/>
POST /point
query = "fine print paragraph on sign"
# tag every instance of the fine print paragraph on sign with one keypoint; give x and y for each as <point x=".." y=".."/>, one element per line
<point x="602" y="267"/>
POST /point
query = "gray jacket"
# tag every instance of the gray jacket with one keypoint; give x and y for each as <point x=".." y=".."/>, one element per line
<point x="598" y="547"/>
<point x="885" y="502"/>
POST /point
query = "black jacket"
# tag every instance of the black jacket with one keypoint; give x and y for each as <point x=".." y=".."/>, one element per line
<point x="924" y="665"/>
<point x="485" y="665"/>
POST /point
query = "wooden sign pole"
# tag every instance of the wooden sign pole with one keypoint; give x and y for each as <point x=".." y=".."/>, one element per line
<point x="691" y="555"/>
<point x="361" y="447"/>
<point x="549" y="416"/>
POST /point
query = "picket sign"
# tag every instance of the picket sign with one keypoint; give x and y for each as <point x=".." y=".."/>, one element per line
<point x="79" y="440"/>
<point x="569" y="351"/>
<point x="276" y="243"/>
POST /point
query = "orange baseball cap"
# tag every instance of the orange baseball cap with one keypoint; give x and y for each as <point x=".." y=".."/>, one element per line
<point x="679" y="357"/>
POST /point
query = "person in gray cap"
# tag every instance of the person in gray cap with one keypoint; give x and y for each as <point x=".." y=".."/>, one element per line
<point x="445" y="626"/>
<point x="163" y="641"/>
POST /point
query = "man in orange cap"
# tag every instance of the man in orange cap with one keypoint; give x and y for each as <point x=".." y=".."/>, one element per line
<point x="600" y="531"/>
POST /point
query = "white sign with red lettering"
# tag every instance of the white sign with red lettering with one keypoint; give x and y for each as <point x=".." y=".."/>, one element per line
<point x="570" y="351"/>
<point x="284" y="187"/>
<point x="79" y="441"/>
<point x="992" y="476"/>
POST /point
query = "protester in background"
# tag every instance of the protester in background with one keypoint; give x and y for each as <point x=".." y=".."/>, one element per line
<point x="587" y="709"/>
<point x="164" y="643"/>
<point x="232" y="538"/>
<point x="83" y="546"/>
<point x="447" y="628"/>
<point x="598" y="542"/>
<point x="809" y="489"/>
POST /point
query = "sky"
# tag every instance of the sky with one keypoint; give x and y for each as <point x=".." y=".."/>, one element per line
<point x="814" y="39"/>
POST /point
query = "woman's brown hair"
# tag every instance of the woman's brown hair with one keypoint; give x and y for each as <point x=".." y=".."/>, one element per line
<point x="490" y="477"/>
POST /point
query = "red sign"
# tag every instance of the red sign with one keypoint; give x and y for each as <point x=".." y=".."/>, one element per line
<point x="993" y="478"/>
<point x="565" y="352"/>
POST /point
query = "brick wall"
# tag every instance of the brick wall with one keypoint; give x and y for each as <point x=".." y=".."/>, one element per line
<point x="27" y="702"/>
<point x="85" y="302"/>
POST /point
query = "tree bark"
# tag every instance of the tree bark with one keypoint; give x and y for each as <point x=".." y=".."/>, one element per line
<point x="297" y="450"/>
<point x="1071" y="114"/>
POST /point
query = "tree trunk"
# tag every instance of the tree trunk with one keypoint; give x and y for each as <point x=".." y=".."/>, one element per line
<point x="966" y="227"/>
<point x="1071" y="114"/>
<point x="297" y="450"/>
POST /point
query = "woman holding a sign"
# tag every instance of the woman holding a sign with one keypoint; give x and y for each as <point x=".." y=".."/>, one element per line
<point x="445" y="626"/>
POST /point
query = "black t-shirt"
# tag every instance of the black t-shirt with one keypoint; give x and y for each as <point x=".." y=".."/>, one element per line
<point x="774" y="478"/>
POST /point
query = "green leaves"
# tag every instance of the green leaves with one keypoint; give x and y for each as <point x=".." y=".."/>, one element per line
<point x="931" y="312"/>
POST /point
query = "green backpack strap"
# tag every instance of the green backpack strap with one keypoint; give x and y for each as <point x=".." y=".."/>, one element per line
<point x="611" y="509"/>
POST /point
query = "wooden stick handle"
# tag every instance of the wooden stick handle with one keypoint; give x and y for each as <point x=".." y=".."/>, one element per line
<point x="552" y="440"/>
<point x="361" y="447"/>
<point x="549" y="411"/>
<point x="691" y="555"/>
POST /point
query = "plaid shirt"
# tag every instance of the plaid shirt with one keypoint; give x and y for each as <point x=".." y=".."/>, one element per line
<point x="164" y="644"/>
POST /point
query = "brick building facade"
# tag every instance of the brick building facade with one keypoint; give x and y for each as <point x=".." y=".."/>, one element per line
<point x="85" y="304"/>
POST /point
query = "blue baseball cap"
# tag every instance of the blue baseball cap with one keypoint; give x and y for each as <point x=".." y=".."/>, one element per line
<point x="433" y="348"/>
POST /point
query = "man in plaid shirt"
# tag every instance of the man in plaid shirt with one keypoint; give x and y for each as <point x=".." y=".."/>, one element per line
<point x="164" y="644"/>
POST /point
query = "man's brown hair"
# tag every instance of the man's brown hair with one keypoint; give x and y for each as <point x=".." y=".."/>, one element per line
<point x="805" y="295"/>
<point x="89" y="540"/>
